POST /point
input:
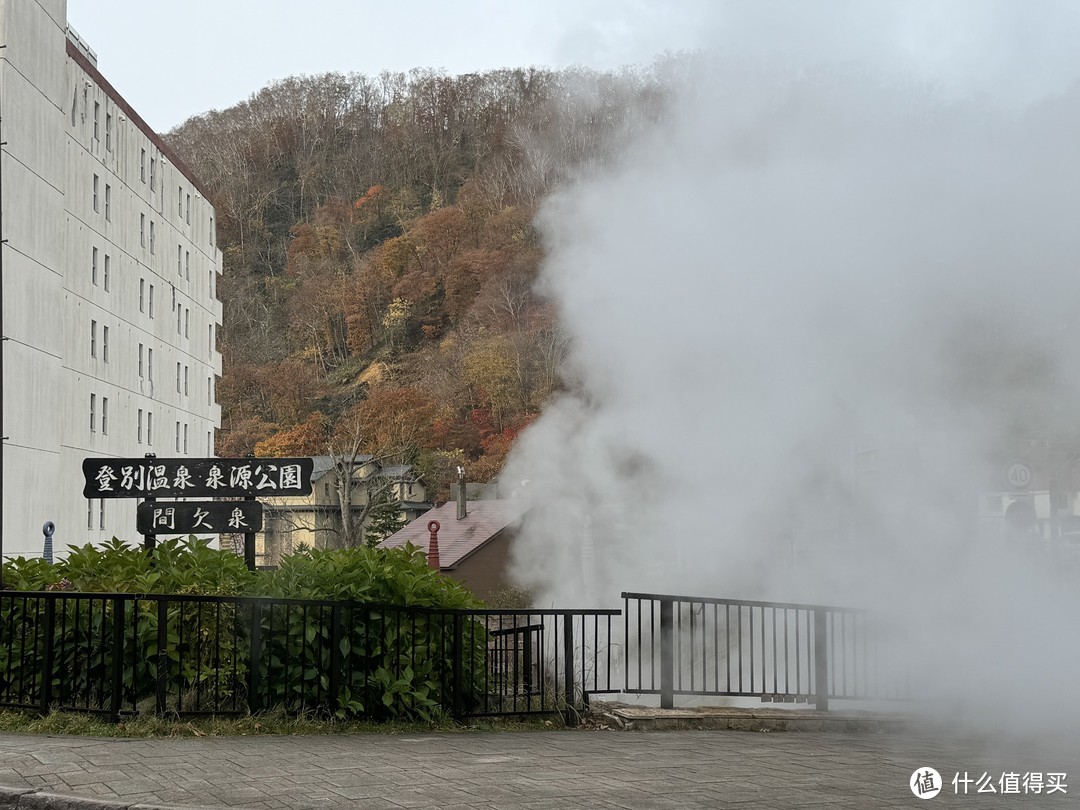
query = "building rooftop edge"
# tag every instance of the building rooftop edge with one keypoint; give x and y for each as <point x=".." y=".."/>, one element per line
<point x="83" y="62"/>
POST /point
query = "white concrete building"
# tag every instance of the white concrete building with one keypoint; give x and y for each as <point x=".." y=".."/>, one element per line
<point x="109" y="269"/>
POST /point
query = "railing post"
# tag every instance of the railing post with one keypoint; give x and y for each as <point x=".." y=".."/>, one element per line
<point x="335" y="657"/>
<point x="116" y="697"/>
<point x="527" y="662"/>
<point x="162" y="654"/>
<point x="821" y="659"/>
<point x="455" y="680"/>
<point x="47" y="665"/>
<point x="568" y="669"/>
<point x="667" y="654"/>
<point x="255" y="655"/>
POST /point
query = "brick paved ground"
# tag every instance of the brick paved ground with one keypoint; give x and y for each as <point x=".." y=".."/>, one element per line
<point x="554" y="770"/>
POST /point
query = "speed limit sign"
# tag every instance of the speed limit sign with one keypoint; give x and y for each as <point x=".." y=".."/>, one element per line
<point x="1018" y="474"/>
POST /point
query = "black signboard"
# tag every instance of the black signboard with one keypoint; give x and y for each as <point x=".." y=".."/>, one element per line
<point x="196" y="478"/>
<point x="199" y="517"/>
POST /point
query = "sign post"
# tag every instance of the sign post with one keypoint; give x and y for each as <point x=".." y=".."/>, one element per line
<point x="154" y="478"/>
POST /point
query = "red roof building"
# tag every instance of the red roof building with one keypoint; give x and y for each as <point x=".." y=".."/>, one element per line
<point x="473" y="549"/>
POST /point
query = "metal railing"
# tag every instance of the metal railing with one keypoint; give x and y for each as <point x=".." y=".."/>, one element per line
<point x="775" y="651"/>
<point x="120" y="654"/>
<point x="539" y="661"/>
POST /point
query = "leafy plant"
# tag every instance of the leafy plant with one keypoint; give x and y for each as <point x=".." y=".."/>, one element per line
<point x="378" y="642"/>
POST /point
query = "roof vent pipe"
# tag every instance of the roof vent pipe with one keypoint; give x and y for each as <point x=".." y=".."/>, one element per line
<point x="433" y="545"/>
<point x="461" y="512"/>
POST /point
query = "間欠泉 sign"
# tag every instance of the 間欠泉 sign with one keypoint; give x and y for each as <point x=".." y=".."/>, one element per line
<point x="196" y="478"/>
<point x="199" y="517"/>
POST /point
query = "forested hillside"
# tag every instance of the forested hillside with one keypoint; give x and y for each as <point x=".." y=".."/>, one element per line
<point x="380" y="253"/>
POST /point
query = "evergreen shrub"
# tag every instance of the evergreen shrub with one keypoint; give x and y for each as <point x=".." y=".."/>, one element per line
<point x="395" y="636"/>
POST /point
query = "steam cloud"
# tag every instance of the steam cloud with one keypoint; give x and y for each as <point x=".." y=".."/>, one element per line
<point x="850" y="247"/>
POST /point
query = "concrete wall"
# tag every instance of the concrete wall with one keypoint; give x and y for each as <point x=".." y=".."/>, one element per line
<point x="57" y="299"/>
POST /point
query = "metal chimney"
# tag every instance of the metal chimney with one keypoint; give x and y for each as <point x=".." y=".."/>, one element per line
<point x="461" y="511"/>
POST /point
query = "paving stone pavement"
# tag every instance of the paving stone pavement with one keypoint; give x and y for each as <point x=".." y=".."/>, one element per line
<point x="552" y="770"/>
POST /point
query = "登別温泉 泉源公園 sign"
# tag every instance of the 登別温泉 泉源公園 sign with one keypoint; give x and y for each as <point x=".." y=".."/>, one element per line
<point x="196" y="478"/>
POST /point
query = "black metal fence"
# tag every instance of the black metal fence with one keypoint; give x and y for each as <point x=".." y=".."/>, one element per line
<point x="775" y="651"/>
<point x="119" y="654"/>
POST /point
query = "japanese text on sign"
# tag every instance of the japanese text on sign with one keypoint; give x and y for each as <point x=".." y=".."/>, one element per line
<point x="181" y="478"/>
<point x="199" y="517"/>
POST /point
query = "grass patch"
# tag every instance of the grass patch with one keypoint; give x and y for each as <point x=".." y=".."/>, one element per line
<point x="268" y="723"/>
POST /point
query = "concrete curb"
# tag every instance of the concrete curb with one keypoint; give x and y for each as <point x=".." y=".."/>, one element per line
<point x="31" y="799"/>
<point x="715" y="718"/>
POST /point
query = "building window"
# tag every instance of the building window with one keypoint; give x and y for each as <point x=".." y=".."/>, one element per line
<point x="211" y="341"/>
<point x="108" y="132"/>
<point x="101" y="513"/>
<point x="179" y="261"/>
<point x="177" y="437"/>
<point x="151" y="303"/>
<point x="89" y="513"/>
<point x="97" y="116"/>
<point x="179" y="201"/>
<point x="187" y="322"/>
<point x="140" y="426"/>
<point x="141" y="361"/>
<point x="153" y="174"/>
<point x="142" y="230"/>
<point x="179" y="317"/>
<point x="187" y="265"/>
<point x="211" y="231"/>
<point x="209" y="390"/>
<point x="178" y="378"/>
<point x="93" y="266"/>
<point x="93" y="338"/>
<point x="96" y="182"/>
<point x="108" y="202"/>
<point x="105" y="277"/>
<point x="149" y="427"/>
<point x="187" y="209"/>
<point x="185" y="381"/>
<point x="104" y="416"/>
<point x="142" y="165"/>
<point x="151" y="236"/>
<point x="93" y="413"/>
<point x="185" y="438"/>
<point x="150" y="365"/>
<point x="142" y="295"/>
<point x="209" y="443"/>
<point x="105" y="344"/>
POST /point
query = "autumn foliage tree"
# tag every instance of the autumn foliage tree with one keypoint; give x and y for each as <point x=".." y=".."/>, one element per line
<point x="380" y="254"/>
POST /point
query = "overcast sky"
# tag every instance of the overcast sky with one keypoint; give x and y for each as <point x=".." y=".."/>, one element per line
<point x="174" y="60"/>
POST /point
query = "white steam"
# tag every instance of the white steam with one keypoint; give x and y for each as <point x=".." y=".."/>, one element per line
<point x="809" y="259"/>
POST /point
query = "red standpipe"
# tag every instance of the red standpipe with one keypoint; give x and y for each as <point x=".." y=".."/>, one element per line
<point x="433" y="545"/>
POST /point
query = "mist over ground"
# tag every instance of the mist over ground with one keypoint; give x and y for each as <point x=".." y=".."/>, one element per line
<point x="808" y="311"/>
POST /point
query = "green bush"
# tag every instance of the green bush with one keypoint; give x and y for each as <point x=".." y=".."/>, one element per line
<point x="389" y="655"/>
